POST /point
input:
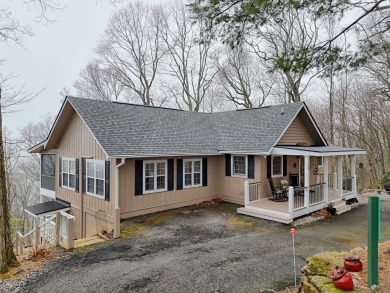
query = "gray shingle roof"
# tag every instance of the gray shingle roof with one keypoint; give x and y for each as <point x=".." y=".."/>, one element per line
<point x="130" y="130"/>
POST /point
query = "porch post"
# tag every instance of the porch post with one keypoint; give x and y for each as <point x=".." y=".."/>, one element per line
<point x="326" y="179"/>
<point x="290" y="200"/>
<point x="340" y="175"/>
<point x="246" y="192"/>
<point x="353" y="174"/>
<point x="307" y="180"/>
<point x="58" y="227"/>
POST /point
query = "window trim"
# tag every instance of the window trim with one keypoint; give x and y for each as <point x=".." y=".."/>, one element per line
<point x="86" y="178"/>
<point x="322" y="161"/>
<point x="281" y="166"/>
<point x="192" y="173"/>
<point x="155" y="162"/>
<point x="62" y="172"/>
<point x="246" y="167"/>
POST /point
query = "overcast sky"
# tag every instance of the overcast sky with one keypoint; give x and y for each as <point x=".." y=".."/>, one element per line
<point x="54" y="56"/>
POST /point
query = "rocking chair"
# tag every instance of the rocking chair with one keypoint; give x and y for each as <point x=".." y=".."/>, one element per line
<point x="278" y="193"/>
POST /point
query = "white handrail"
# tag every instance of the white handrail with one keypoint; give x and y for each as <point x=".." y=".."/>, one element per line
<point x="40" y="226"/>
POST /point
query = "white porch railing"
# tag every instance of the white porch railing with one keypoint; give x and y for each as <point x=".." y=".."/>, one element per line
<point x="48" y="233"/>
<point x="316" y="193"/>
<point x="252" y="191"/>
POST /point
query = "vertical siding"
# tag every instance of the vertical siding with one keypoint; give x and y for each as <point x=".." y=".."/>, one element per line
<point x="77" y="141"/>
<point x="297" y="133"/>
<point x="132" y="205"/>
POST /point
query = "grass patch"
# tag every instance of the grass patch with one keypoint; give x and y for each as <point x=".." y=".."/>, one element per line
<point x="240" y="222"/>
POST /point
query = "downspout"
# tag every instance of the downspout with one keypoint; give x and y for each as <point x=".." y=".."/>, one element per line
<point x="117" y="209"/>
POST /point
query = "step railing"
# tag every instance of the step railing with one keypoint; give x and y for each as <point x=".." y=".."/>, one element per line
<point x="252" y="191"/>
<point x="47" y="234"/>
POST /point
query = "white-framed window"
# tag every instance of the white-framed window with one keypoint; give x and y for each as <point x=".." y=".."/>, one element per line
<point x="68" y="170"/>
<point x="320" y="161"/>
<point x="192" y="173"/>
<point x="239" y="165"/>
<point x="95" y="178"/>
<point x="277" y="166"/>
<point x="155" y="176"/>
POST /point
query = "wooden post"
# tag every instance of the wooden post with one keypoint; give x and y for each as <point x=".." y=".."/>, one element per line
<point x="58" y="229"/>
<point x="326" y="179"/>
<point x="246" y="192"/>
<point x="307" y="181"/>
<point x="290" y="200"/>
<point x="70" y="232"/>
<point x="340" y="175"/>
<point x="37" y="236"/>
<point x="334" y="181"/>
<point x="373" y="238"/>
<point x="353" y="174"/>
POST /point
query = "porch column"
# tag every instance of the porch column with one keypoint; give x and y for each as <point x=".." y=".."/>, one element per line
<point x="326" y="179"/>
<point x="353" y="174"/>
<point x="340" y="175"/>
<point x="307" y="180"/>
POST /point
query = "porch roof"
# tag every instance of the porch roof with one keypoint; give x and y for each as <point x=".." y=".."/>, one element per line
<point x="47" y="208"/>
<point x="316" y="151"/>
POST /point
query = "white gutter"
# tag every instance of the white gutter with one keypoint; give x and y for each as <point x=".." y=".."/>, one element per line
<point x="117" y="182"/>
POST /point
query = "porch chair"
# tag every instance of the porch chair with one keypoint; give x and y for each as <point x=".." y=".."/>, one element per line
<point x="278" y="193"/>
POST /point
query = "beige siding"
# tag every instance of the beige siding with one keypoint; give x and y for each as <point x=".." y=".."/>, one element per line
<point x="77" y="141"/>
<point x="297" y="133"/>
<point x="132" y="205"/>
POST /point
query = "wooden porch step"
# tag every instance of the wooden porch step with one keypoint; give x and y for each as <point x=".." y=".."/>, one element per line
<point x="342" y="209"/>
<point x="87" y="241"/>
<point x="267" y="215"/>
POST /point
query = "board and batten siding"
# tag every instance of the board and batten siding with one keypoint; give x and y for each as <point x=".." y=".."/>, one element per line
<point x="297" y="133"/>
<point x="77" y="141"/>
<point x="135" y="205"/>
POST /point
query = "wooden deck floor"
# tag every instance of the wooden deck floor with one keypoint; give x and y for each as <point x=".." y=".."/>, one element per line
<point x="87" y="241"/>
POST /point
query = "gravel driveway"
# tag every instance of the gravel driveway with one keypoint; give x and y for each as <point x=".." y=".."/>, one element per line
<point x="203" y="249"/>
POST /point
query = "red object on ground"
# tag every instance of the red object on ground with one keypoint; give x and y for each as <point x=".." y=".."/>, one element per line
<point x="353" y="264"/>
<point x="341" y="279"/>
<point x="292" y="231"/>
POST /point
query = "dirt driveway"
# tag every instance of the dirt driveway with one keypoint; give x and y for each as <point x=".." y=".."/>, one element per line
<point x="203" y="249"/>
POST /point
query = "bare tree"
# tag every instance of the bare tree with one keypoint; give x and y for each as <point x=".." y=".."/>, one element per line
<point x="132" y="48"/>
<point x="187" y="63"/>
<point x="285" y="47"/>
<point x="242" y="77"/>
<point x="98" y="82"/>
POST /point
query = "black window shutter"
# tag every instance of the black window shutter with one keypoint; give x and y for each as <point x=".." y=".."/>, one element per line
<point x="284" y="165"/>
<point x="228" y="165"/>
<point x="84" y="173"/>
<point x="251" y="166"/>
<point x="138" y="177"/>
<point x="107" y="181"/>
<point x="77" y="175"/>
<point x="269" y="166"/>
<point x="179" y="183"/>
<point x="170" y="174"/>
<point x="59" y="171"/>
<point x="204" y="172"/>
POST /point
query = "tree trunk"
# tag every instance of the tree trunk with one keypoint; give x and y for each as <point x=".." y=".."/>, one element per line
<point x="7" y="255"/>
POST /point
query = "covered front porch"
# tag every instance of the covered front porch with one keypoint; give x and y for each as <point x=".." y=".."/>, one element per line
<point x="311" y="191"/>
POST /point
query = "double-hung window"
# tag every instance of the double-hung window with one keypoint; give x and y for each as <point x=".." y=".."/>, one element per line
<point x="155" y="176"/>
<point x="192" y="173"/>
<point x="239" y="165"/>
<point x="95" y="178"/>
<point x="277" y="166"/>
<point x="68" y="173"/>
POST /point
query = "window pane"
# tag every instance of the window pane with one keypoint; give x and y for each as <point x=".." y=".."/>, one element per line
<point x="196" y="166"/>
<point x="72" y="167"/>
<point x="196" y="178"/>
<point x="65" y="180"/>
<point x="277" y="165"/>
<point x="48" y="165"/>
<point x="187" y="167"/>
<point x="99" y="170"/>
<point x="90" y="169"/>
<point x="72" y="181"/>
<point x="161" y="182"/>
<point x="239" y="167"/>
<point x="187" y="180"/>
<point x="99" y="187"/>
<point x="160" y="168"/>
<point x="65" y="166"/>
<point x="149" y="169"/>
<point x="91" y="185"/>
<point x="149" y="183"/>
